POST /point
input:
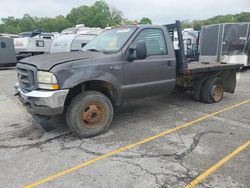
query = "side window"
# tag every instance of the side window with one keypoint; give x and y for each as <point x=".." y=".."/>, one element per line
<point x="3" y="45"/>
<point x="39" y="43"/>
<point x="155" y="41"/>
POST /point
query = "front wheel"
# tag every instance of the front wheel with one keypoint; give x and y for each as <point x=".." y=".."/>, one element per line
<point x="89" y="114"/>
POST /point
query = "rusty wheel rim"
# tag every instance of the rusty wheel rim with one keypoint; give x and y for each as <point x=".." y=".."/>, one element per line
<point x="218" y="93"/>
<point x="92" y="115"/>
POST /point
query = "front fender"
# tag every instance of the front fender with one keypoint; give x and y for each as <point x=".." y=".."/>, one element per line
<point x="73" y="77"/>
<point x="79" y="77"/>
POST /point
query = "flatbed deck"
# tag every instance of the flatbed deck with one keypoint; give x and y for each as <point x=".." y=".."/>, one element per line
<point x="198" y="67"/>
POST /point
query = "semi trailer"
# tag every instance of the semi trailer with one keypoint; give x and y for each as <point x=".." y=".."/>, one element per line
<point x="7" y="52"/>
<point x="227" y="42"/>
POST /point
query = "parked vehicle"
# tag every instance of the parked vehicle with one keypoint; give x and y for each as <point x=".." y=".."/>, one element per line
<point x="191" y="43"/>
<point x="229" y="43"/>
<point x="33" y="43"/>
<point x="7" y="52"/>
<point x="118" y="65"/>
<point x="73" y="39"/>
<point x="8" y="35"/>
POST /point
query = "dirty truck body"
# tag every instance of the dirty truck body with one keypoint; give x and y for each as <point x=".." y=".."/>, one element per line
<point x="120" y="64"/>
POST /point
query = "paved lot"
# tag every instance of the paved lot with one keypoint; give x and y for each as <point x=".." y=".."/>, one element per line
<point x="30" y="152"/>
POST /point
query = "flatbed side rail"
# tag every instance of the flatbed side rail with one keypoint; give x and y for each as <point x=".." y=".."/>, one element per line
<point x="180" y="53"/>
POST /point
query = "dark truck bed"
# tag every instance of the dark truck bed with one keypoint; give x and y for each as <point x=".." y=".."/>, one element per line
<point x="199" y="67"/>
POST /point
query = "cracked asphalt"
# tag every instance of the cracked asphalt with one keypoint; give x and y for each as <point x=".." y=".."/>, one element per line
<point x="31" y="149"/>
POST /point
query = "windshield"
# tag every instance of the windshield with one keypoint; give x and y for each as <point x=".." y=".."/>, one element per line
<point x="69" y="31"/>
<point x="110" y="40"/>
<point x="23" y="35"/>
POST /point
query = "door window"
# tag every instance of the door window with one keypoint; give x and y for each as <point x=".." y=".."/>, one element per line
<point x="40" y="43"/>
<point x="155" y="41"/>
<point x="3" y="45"/>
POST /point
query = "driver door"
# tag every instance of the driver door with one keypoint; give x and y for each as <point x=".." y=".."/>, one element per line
<point x="153" y="75"/>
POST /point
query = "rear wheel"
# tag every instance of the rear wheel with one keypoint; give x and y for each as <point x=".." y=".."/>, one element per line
<point x="89" y="114"/>
<point x="212" y="91"/>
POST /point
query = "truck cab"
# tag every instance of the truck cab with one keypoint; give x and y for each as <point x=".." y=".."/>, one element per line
<point x="123" y="63"/>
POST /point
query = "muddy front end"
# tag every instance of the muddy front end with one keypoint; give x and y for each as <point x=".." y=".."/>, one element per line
<point x="39" y="91"/>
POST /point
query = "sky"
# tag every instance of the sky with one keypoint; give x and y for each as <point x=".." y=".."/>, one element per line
<point x="159" y="11"/>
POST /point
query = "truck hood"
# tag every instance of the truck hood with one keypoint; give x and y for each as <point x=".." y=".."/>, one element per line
<point x="47" y="61"/>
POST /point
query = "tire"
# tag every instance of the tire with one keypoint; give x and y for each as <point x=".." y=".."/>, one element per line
<point x="89" y="114"/>
<point x="212" y="91"/>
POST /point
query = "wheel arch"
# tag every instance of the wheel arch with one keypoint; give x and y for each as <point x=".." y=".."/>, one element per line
<point x="101" y="86"/>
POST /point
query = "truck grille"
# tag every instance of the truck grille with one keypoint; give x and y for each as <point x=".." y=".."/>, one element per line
<point x="26" y="75"/>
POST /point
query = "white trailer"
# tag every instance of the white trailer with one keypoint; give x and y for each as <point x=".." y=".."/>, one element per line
<point x="7" y="52"/>
<point x="227" y="43"/>
<point x="73" y="39"/>
<point x="33" y="43"/>
<point x="191" y="43"/>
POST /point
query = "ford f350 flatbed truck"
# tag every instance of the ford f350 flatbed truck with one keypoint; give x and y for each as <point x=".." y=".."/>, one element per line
<point x="120" y="64"/>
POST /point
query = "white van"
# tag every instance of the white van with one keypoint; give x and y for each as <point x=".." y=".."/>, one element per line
<point x="33" y="43"/>
<point x="74" y="39"/>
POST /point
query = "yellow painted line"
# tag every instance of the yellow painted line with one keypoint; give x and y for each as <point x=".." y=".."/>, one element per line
<point x="217" y="165"/>
<point x="119" y="150"/>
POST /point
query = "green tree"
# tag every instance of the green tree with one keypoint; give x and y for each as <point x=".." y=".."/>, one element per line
<point x="126" y="21"/>
<point x="116" y="17"/>
<point x="78" y="15"/>
<point x="100" y="14"/>
<point x="52" y="24"/>
<point x="186" y="24"/>
<point x="27" y="23"/>
<point x="145" y="20"/>
<point x="10" y="25"/>
<point x="229" y="18"/>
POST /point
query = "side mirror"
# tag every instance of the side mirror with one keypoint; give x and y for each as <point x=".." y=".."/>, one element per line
<point x="141" y="50"/>
<point x="137" y="52"/>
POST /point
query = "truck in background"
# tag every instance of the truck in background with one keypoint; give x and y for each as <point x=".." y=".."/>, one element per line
<point x="191" y="43"/>
<point x="33" y="43"/>
<point x="227" y="42"/>
<point x="74" y="39"/>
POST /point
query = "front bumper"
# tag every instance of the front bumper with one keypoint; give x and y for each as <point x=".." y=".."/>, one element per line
<point x="43" y="102"/>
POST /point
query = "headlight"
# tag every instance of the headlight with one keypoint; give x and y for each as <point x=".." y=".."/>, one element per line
<point x="47" y="80"/>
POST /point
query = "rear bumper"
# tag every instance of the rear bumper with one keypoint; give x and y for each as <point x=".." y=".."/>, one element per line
<point x="43" y="102"/>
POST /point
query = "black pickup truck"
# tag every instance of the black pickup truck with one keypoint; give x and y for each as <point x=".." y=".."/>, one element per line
<point x="120" y="64"/>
